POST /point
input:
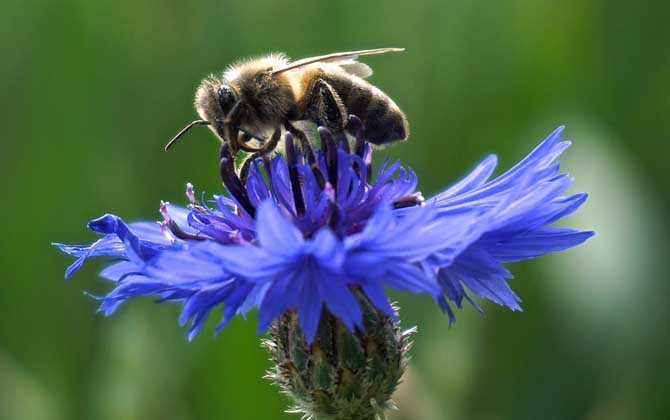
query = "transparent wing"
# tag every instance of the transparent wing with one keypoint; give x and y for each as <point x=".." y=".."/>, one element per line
<point x="340" y="56"/>
<point x="357" y="68"/>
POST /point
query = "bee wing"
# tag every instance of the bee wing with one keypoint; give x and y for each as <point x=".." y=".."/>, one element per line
<point x="341" y="56"/>
<point x="354" y="67"/>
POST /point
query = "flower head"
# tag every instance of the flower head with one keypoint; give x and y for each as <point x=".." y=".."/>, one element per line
<point x="310" y="232"/>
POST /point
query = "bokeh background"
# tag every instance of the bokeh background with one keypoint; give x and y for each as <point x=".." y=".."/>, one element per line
<point x="91" y="90"/>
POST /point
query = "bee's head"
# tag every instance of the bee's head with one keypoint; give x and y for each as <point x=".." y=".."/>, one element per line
<point x="222" y="108"/>
<point x="218" y="105"/>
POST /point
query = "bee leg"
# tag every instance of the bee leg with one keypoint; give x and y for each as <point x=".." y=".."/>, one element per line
<point x="244" y="137"/>
<point x="263" y="152"/>
<point x="248" y="136"/>
<point x="246" y="166"/>
<point x="241" y="143"/>
<point x="309" y="151"/>
<point x="325" y="107"/>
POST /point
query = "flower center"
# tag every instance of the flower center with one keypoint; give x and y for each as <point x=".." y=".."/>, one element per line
<point x="326" y="168"/>
<point x="330" y="186"/>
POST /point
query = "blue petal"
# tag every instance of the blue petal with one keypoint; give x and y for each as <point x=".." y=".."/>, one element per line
<point x="275" y="230"/>
<point x="254" y="298"/>
<point x="134" y="247"/>
<point x="341" y="302"/>
<point x="377" y="296"/>
<point x="196" y="263"/>
<point x="326" y="248"/>
<point x="109" y="245"/>
<point x="539" y="242"/>
<point x="485" y="276"/>
<point x="234" y="302"/>
<point x="478" y="176"/>
<point x="309" y="307"/>
<point x="149" y="231"/>
<point x="279" y="296"/>
<point x="410" y="278"/>
<point x="116" y="271"/>
<point x="202" y="302"/>
<point x="251" y="262"/>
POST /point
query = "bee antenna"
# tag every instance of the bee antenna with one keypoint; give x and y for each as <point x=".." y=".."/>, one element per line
<point x="183" y="131"/>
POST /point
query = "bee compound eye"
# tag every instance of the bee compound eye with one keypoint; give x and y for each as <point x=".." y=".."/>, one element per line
<point x="226" y="98"/>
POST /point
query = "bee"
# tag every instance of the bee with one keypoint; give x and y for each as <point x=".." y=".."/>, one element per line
<point x="254" y="100"/>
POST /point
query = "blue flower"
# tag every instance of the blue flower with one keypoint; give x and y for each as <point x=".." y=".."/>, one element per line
<point x="304" y="232"/>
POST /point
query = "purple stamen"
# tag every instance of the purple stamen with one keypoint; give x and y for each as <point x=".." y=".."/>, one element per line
<point x="330" y="150"/>
<point x="292" y="160"/>
<point x="164" y="211"/>
<point x="232" y="181"/>
<point x="341" y="140"/>
<point x="190" y="194"/>
<point x="330" y="192"/>
<point x="166" y="232"/>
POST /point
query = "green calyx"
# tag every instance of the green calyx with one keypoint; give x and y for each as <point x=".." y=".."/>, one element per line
<point x="342" y="375"/>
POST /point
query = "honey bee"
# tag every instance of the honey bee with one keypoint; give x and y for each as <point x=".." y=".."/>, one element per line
<point x="254" y="100"/>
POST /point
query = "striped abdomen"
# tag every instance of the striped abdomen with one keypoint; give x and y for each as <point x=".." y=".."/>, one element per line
<point x="384" y="121"/>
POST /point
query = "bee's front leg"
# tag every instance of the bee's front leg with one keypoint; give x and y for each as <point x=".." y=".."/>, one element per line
<point x="263" y="152"/>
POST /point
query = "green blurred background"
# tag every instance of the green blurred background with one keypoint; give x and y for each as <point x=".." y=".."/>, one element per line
<point x="91" y="90"/>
